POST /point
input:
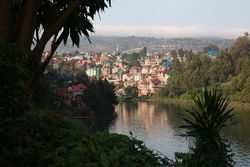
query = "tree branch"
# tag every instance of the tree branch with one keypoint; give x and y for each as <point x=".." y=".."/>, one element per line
<point x="54" y="45"/>
<point x="53" y="29"/>
<point x="37" y="34"/>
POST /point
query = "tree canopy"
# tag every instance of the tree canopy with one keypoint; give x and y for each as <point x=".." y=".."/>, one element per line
<point x="229" y="71"/>
<point x="32" y="24"/>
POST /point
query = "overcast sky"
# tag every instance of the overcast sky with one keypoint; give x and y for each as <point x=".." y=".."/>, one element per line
<point x="175" y="18"/>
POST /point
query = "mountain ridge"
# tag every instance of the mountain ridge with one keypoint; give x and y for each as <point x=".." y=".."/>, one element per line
<point x="123" y="44"/>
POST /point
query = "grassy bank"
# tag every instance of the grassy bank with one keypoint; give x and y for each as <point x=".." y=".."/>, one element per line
<point x="138" y="99"/>
<point x="188" y="102"/>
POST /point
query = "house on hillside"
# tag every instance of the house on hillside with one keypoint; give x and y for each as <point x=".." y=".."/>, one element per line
<point x="63" y="96"/>
<point x="77" y="92"/>
<point x="145" y="69"/>
<point x="135" y="69"/>
<point x="137" y="77"/>
<point x="127" y="77"/>
<point x="104" y="58"/>
<point x="143" y="88"/>
<point x="212" y="54"/>
<point x="106" y="71"/>
<point x="155" y="85"/>
<point x="167" y="64"/>
<point x="81" y="64"/>
<point x="94" y="71"/>
<point x="115" y="70"/>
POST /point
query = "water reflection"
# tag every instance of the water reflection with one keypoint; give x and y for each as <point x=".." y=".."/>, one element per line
<point x="239" y="136"/>
<point x="158" y="124"/>
<point x="153" y="124"/>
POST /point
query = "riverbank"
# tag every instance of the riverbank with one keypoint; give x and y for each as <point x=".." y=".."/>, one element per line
<point x="189" y="102"/>
<point x="138" y="99"/>
<point x="177" y="101"/>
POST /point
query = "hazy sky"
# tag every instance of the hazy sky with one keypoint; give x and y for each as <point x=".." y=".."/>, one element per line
<point x="175" y="18"/>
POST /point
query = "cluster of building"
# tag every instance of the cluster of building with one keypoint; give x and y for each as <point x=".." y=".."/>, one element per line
<point x="69" y="94"/>
<point x="151" y="73"/>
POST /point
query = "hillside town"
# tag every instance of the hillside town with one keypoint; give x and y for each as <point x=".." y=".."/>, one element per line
<point x="146" y="71"/>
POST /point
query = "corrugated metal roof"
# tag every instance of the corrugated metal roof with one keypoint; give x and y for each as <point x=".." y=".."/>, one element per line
<point x="167" y="64"/>
<point x="212" y="53"/>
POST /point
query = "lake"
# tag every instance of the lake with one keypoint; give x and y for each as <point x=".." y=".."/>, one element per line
<point x="157" y="125"/>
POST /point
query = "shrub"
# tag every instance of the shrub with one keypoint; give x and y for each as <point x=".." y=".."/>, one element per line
<point x="41" y="138"/>
<point x="100" y="95"/>
<point x="13" y="74"/>
<point x="246" y="91"/>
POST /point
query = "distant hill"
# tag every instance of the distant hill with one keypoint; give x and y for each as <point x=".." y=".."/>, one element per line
<point x="110" y="44"/>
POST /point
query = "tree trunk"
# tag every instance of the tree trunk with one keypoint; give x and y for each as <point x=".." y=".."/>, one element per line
<point x="37" y="74"/>
<point x="36" y="55"/>
<point x="27" y="23"/>
<point x="5" y="16"/>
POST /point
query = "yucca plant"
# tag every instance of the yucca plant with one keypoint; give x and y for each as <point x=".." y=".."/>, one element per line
<point x="204" y="121"/>
<point x="209" y="114"/>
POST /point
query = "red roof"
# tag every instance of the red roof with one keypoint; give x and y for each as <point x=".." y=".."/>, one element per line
<point x="82" y="62"/>
<point x="129" y="75"/>
<point x="136" y="67"/>
<point x="145" y="83"/>
<point x="156" y="81"/>
<point x="78" y="87"/>
<point x="165" y="70"/>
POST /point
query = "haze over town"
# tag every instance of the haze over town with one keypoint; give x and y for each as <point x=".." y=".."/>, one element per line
<point x="175" y="18"/>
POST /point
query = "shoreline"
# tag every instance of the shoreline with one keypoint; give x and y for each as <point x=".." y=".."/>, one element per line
<point x="187" y="102"/>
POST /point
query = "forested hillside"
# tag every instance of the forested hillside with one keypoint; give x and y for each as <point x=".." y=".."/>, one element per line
<point x="229" y="71"/>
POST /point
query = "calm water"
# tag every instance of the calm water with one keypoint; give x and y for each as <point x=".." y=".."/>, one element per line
<point x="157" y="125"/>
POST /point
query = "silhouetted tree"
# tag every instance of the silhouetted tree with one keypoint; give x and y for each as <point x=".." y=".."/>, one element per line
<point x="80" y="77"/>
<point x="31" y="24"/>
<point x="100" y="95"/>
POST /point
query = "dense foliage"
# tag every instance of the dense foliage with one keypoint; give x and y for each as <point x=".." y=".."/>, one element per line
<point x="12" y="78"/>
<point x="38" y="137"/>
<point x="31" y="25"/>
<point x="41" y="138"/>
<point x="229" y="71"/>
<point x="132" y="59"/>
<point x="131" y="92"/>
<point x="100" y="95"/>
